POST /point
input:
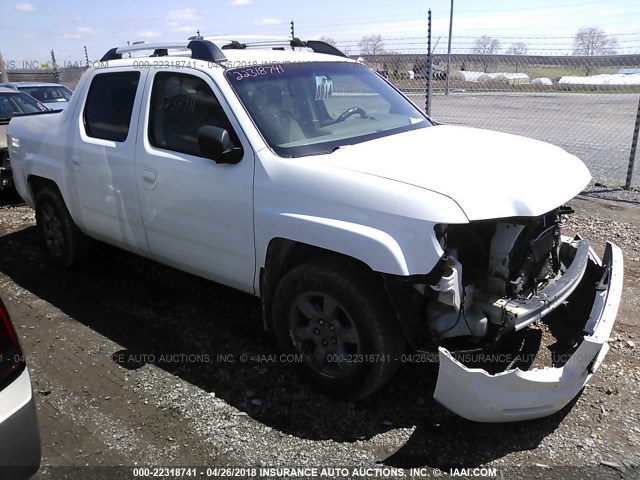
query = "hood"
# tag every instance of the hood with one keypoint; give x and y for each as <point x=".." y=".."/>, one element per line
<point x="3" y="136"/>
<point x="488" y="174"/>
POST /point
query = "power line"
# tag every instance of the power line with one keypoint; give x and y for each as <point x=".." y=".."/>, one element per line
<point x="318" y="21"/>
<point x="385" y="39"/>
<point x="604" y="3"/>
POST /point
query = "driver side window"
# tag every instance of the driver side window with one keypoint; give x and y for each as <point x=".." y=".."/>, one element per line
<point x="180" y="105"/>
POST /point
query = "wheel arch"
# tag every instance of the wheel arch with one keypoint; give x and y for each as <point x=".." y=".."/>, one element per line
<point x="282" y="256"/>
<point x="36" y="183"/>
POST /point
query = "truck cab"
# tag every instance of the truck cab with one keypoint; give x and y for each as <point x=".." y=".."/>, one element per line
<point x="303" y="177"/>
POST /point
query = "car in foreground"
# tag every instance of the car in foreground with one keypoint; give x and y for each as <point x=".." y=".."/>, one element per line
<point x="12" y="103"/>
<point x="369" y="231"/>
<point x="19" y="433"/>
<point x="53" y="95"/>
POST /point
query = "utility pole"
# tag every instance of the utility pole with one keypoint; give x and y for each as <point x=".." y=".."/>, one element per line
<point x="86" y="56"/>
<point x="446" y="88"/>
<point x="634" y="147"/>
<point x="56" y="75"/>
<point x="429" y="67"/>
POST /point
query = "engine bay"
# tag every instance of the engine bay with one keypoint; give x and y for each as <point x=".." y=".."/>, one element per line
<point x="500" y="275"/>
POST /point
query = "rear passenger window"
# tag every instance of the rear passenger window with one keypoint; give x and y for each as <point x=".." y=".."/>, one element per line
<point x="107" y="113"/>
<point x="180" y="105"/>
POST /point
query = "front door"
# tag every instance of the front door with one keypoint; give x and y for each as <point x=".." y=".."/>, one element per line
<point x="198" y="214"/>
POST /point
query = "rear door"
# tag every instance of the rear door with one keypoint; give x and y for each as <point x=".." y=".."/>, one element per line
<point x="102" y="160"/>
<point x="198" y="214"/>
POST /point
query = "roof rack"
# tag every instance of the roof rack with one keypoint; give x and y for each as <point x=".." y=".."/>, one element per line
<point x="200" y="50"/>
<point x="241" y="42"/>
<point x="318" y="46"/>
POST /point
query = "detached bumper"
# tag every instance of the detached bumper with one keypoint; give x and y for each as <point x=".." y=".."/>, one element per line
<point x="516" y="395"/>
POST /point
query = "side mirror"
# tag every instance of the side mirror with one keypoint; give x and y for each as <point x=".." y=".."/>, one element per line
<point x="214" y="143"/>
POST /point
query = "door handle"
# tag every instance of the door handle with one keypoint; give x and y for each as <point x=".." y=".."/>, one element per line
<point x="148" y="179"/>
<point x="75" y="160"/>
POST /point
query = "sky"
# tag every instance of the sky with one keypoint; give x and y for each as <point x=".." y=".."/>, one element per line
<point x="30" y="29"/>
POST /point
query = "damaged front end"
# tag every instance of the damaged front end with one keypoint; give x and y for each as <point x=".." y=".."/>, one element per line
<point x="498" y="277"/>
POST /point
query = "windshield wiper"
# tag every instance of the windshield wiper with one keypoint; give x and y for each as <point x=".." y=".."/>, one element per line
<point x="330" y="151"/>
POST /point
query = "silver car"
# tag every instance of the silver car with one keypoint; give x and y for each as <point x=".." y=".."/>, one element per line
<point x="19" y="433"/>
<point x="53" y="95"/>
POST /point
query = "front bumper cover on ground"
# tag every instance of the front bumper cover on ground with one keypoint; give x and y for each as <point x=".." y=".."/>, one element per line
<point x="515" y="395"/>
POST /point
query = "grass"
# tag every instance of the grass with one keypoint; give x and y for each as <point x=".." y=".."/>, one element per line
<point x="497" y="86"/>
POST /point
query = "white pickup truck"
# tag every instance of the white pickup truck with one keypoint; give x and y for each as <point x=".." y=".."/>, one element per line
<point x="369" y="231"/>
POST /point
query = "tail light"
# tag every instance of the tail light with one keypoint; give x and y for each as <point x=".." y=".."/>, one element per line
<point x="11" y="359"/>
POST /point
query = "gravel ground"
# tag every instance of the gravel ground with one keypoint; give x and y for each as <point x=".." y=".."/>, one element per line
<point x="134" y="363"/>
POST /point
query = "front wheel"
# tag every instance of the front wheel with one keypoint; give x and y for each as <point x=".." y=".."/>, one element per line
<point x="336" y="316"/>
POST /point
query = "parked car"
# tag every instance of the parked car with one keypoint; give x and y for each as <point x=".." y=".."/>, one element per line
<point x="19" y="433"/>
<point x="309" y="180"/>
<point x="12" y="103"/>
<point x="53" y="95"/>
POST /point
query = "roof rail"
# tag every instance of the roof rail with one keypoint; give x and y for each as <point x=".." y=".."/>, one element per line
<point x="241" y="42"/>
<point x="317" y="46"/>
<point x="234" y="45"/>
<point x="200" y="50"/>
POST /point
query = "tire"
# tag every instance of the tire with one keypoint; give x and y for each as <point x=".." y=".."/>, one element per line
<point x="337" y="316"/>
<point x="63" y="241"/>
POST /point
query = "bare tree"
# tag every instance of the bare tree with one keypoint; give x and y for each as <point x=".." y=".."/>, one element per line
<point x="486" y="45"/>
<point x="329" y="40"/>
<point x="371" y="45"/>
<point x="594" y="41"/>
<point x="518" y="48"/>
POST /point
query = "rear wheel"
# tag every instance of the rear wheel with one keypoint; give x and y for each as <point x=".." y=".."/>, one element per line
<point x="64" y="243"/>
<point x="336" y="316"/>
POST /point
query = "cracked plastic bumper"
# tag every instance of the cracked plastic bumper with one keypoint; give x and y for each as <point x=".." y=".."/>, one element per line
<point x="516" y="395"/>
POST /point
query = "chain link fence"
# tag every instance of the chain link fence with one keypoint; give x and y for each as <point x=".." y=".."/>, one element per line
<point x="66" y="76"/>
<point x="586" y="105"/>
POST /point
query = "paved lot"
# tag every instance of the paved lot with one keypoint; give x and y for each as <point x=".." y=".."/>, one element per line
<point x="134" y="363"/>
<point x="598" y="128"/>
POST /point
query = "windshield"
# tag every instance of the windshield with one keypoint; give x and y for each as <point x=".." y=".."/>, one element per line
<point x="311" y="108"/>
<point x="48" y="94"/>
<point x="16" y="103"/>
